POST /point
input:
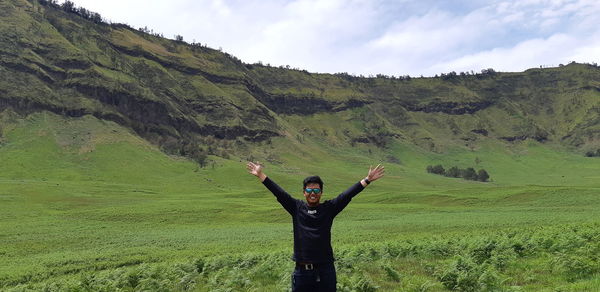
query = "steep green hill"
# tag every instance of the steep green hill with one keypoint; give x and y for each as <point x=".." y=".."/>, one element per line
<point x="172" y="93"/>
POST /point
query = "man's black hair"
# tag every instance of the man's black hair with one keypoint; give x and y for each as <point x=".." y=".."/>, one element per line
<point x="313" y="179"/>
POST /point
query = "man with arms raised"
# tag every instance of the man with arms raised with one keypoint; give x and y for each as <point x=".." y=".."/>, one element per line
<point x="312" y="222"/>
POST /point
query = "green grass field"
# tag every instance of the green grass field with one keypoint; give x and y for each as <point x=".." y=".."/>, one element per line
<point x="86" y="205"/>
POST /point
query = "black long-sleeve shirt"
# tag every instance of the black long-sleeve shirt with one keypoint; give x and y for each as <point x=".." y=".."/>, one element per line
<point x="312" y="225"/>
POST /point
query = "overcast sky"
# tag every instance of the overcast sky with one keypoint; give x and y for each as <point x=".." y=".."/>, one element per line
<point x="421" y="37"/>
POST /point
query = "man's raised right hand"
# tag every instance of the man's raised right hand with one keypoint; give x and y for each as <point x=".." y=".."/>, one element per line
<point x="256" y="170"/>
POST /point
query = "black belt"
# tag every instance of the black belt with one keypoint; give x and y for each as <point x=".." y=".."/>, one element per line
<point x="306" y="266"/>
<point x="310" y="266"/>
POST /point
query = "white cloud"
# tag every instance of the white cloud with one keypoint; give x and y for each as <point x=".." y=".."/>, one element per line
<point x="310" y="34"/>
<point x="508" y="36"/>
<point x="370" y="37"/>
<point x="527" y="54"/>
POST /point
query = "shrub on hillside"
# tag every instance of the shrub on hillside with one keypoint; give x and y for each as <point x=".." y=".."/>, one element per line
<point x="359" y="282"/>
<point x="481" y="250"/>
<point x="575" y="267"/>
<point x="193" y="150"/>
<point x="469" y="173"/>
<point x="438" y="169"/>
<point x="199" y="264"/>
<point x="453" y="172"/>
<point x="592" y="153"/>
<point x="464" y="274"/>
<point x="482" y="175"/>
<point x="68" y="6"/>
<point x="391" y="273"/>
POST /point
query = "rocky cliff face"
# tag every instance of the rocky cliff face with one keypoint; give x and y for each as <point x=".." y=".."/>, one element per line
<point x="54" y="60"/>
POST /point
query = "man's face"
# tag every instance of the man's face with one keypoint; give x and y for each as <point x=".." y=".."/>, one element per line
<point x="313" y="198"/>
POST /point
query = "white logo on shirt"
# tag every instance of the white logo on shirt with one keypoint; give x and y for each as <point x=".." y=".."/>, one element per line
<point x="312" y="211"/>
